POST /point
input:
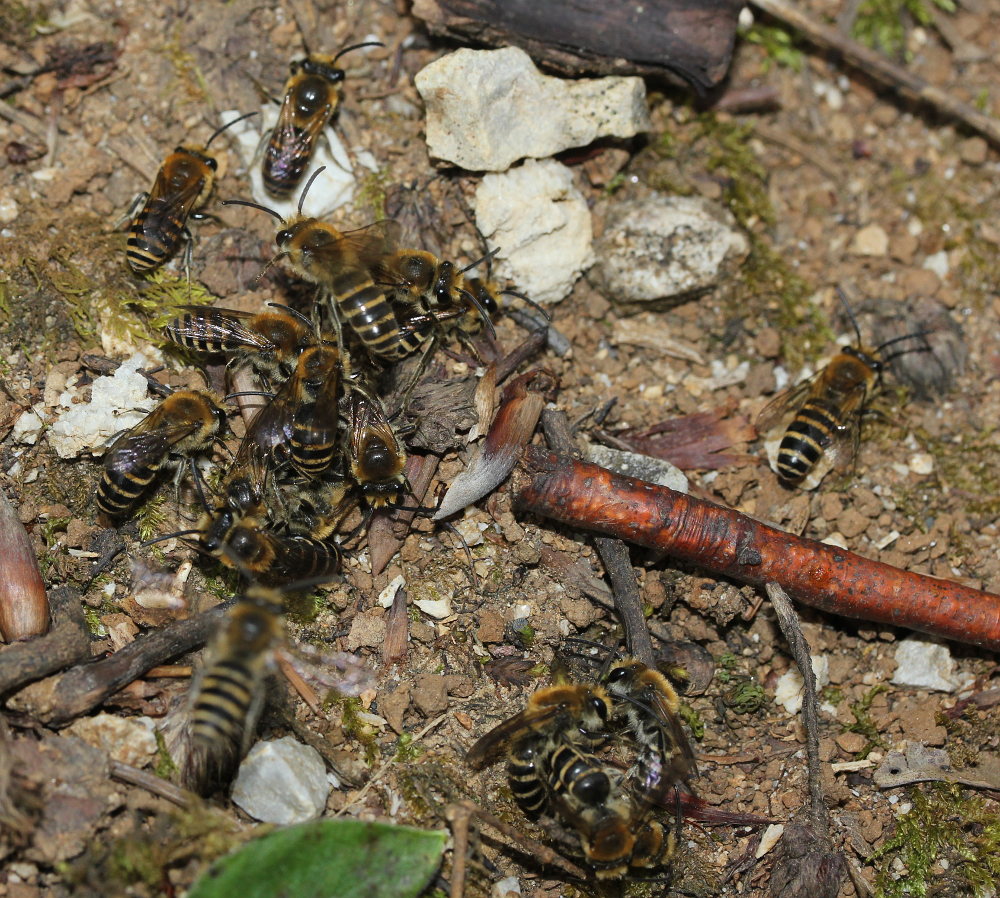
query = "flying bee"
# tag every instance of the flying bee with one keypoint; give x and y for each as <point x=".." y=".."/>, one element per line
<point x="228" y="695"/>
<point x="375" y="458"/>
<point x="312" y="94"/>
<point x="184" y="424"/>
<point x="648" y="704"/>
<point x="182" y="186"/>
<point x="828" y="409"/>
<point x="269" y="342"/>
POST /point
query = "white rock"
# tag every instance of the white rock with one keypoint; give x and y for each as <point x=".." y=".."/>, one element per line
<point x="666" y="247"/>
<point x="643" y="467"/>
<point x="488" y="108"/>
<point x="509" y="887"/>
<point x="331" y="190"/>
<point x="28" y="425"/>
<point x="282" y="781"/>
<point x="388" y="595"/>
<point x="788" y="690"/>
<point x="116" y="403"/>
<point x="926" y="665"/>
<point x="938" y="263"/>
<point x="769" y="839"/>
<point x="538" y="220"/>
<point x="439" y="609"/>
<point x="870" y="241"/>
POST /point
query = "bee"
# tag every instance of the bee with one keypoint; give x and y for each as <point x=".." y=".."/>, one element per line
<point x="312" y="94"/>
<point x="575" y="713"/>
<point x="648" y="704"/>
<point x="375" y="458"/>
<point x="185" y="423"/>
<point x="182" y="186"/>
<point x="339" y="263"/>
<point x="299" y="424"/>
<point x="828" y="410"/>
<point x="228" y="695"/>
<point x="247" y="543"/>
<point x="269" y="342"/>
<point x="419" y="278"/>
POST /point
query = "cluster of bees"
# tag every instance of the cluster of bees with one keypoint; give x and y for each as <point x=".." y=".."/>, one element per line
<point x="323" y="444"/>
<point x="558" y="763"/>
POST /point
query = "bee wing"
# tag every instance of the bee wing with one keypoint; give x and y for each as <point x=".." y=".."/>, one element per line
<point x="270" y="427"/>
<point x="784" y="404"/>
<point x="486" y="750"/>
<point x="140" y="447"/>
<point x="843" y="446"/>
<point x="222" y="326"/>
<point x="290" y="139"/>
<point x="372" y="243"/>
<point x="166" y="206"/>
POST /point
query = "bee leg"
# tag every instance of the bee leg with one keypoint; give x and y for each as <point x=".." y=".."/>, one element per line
<point x="133" y="210"/>
<point x="425" y="358"/>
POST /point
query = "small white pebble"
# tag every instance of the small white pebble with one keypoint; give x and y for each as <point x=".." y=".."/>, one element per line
<point x="921" y="463"/>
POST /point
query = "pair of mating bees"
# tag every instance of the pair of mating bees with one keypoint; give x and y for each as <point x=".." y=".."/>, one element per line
<point x="211" y="733"/>
<point x="186" y="178"/>
<point x="826" y="410"/>
<point x="553" y="765"/>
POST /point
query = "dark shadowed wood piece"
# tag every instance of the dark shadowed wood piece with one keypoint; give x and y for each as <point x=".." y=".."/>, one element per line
<point x="681" y="40"/>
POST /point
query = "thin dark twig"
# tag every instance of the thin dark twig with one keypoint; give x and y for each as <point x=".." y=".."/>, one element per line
<point x="788" y="620"/>
<point x="58" y="700"/>
<point x="64" y="645"/>
<point x="614" y="554"/>
<point x="151" y="783"/>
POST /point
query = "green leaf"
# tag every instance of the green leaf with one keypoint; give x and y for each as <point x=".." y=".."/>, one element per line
<point x="328" y="859"/>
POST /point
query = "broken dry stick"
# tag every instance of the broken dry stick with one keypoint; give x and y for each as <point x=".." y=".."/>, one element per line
<point x="730" y="544"/>
<point x="66" y="643"/>
<point x="59" y="699"/>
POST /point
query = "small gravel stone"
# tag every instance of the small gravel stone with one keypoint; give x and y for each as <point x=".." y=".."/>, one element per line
<point x="973" y="151"/>
<point x="870" y="241"/>
<point x="282" y="781"/>
<point x="367" y="630"/>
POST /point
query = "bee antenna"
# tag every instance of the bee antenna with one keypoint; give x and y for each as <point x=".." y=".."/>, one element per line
<point x="478" y="306"/>
<point x="218" y="131"/>
<point x="850" y="312"/>
<point x="357" y="47"/>
<point x="309" y="183"/>
<point x="913" y="336"/>
<point x="487" y="258"/>
<point x="253" y="205"/>
<point x="229" y="396"/>
<point x="530" y="302"/>
<point x="295" y="313"/>
<point x="166" y="536"/>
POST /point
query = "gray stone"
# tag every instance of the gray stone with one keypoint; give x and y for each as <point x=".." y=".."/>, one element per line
<point x="540" y="224"/>
<point x="488" y="108"/>
<point x="282" y="781"/>
<point x="643" y="467"/>
<point x="666" y="247"/>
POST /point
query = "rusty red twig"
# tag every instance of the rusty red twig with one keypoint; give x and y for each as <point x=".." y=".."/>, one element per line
<point x="730" y="544"/>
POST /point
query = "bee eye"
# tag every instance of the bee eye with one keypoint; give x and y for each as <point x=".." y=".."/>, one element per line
<point x="599" y="708"/>
<point x="211" y="163"/>
<point x="282" y="237"/>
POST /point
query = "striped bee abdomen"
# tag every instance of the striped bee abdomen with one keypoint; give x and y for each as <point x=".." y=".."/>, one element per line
<point x="812" y="430"/>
